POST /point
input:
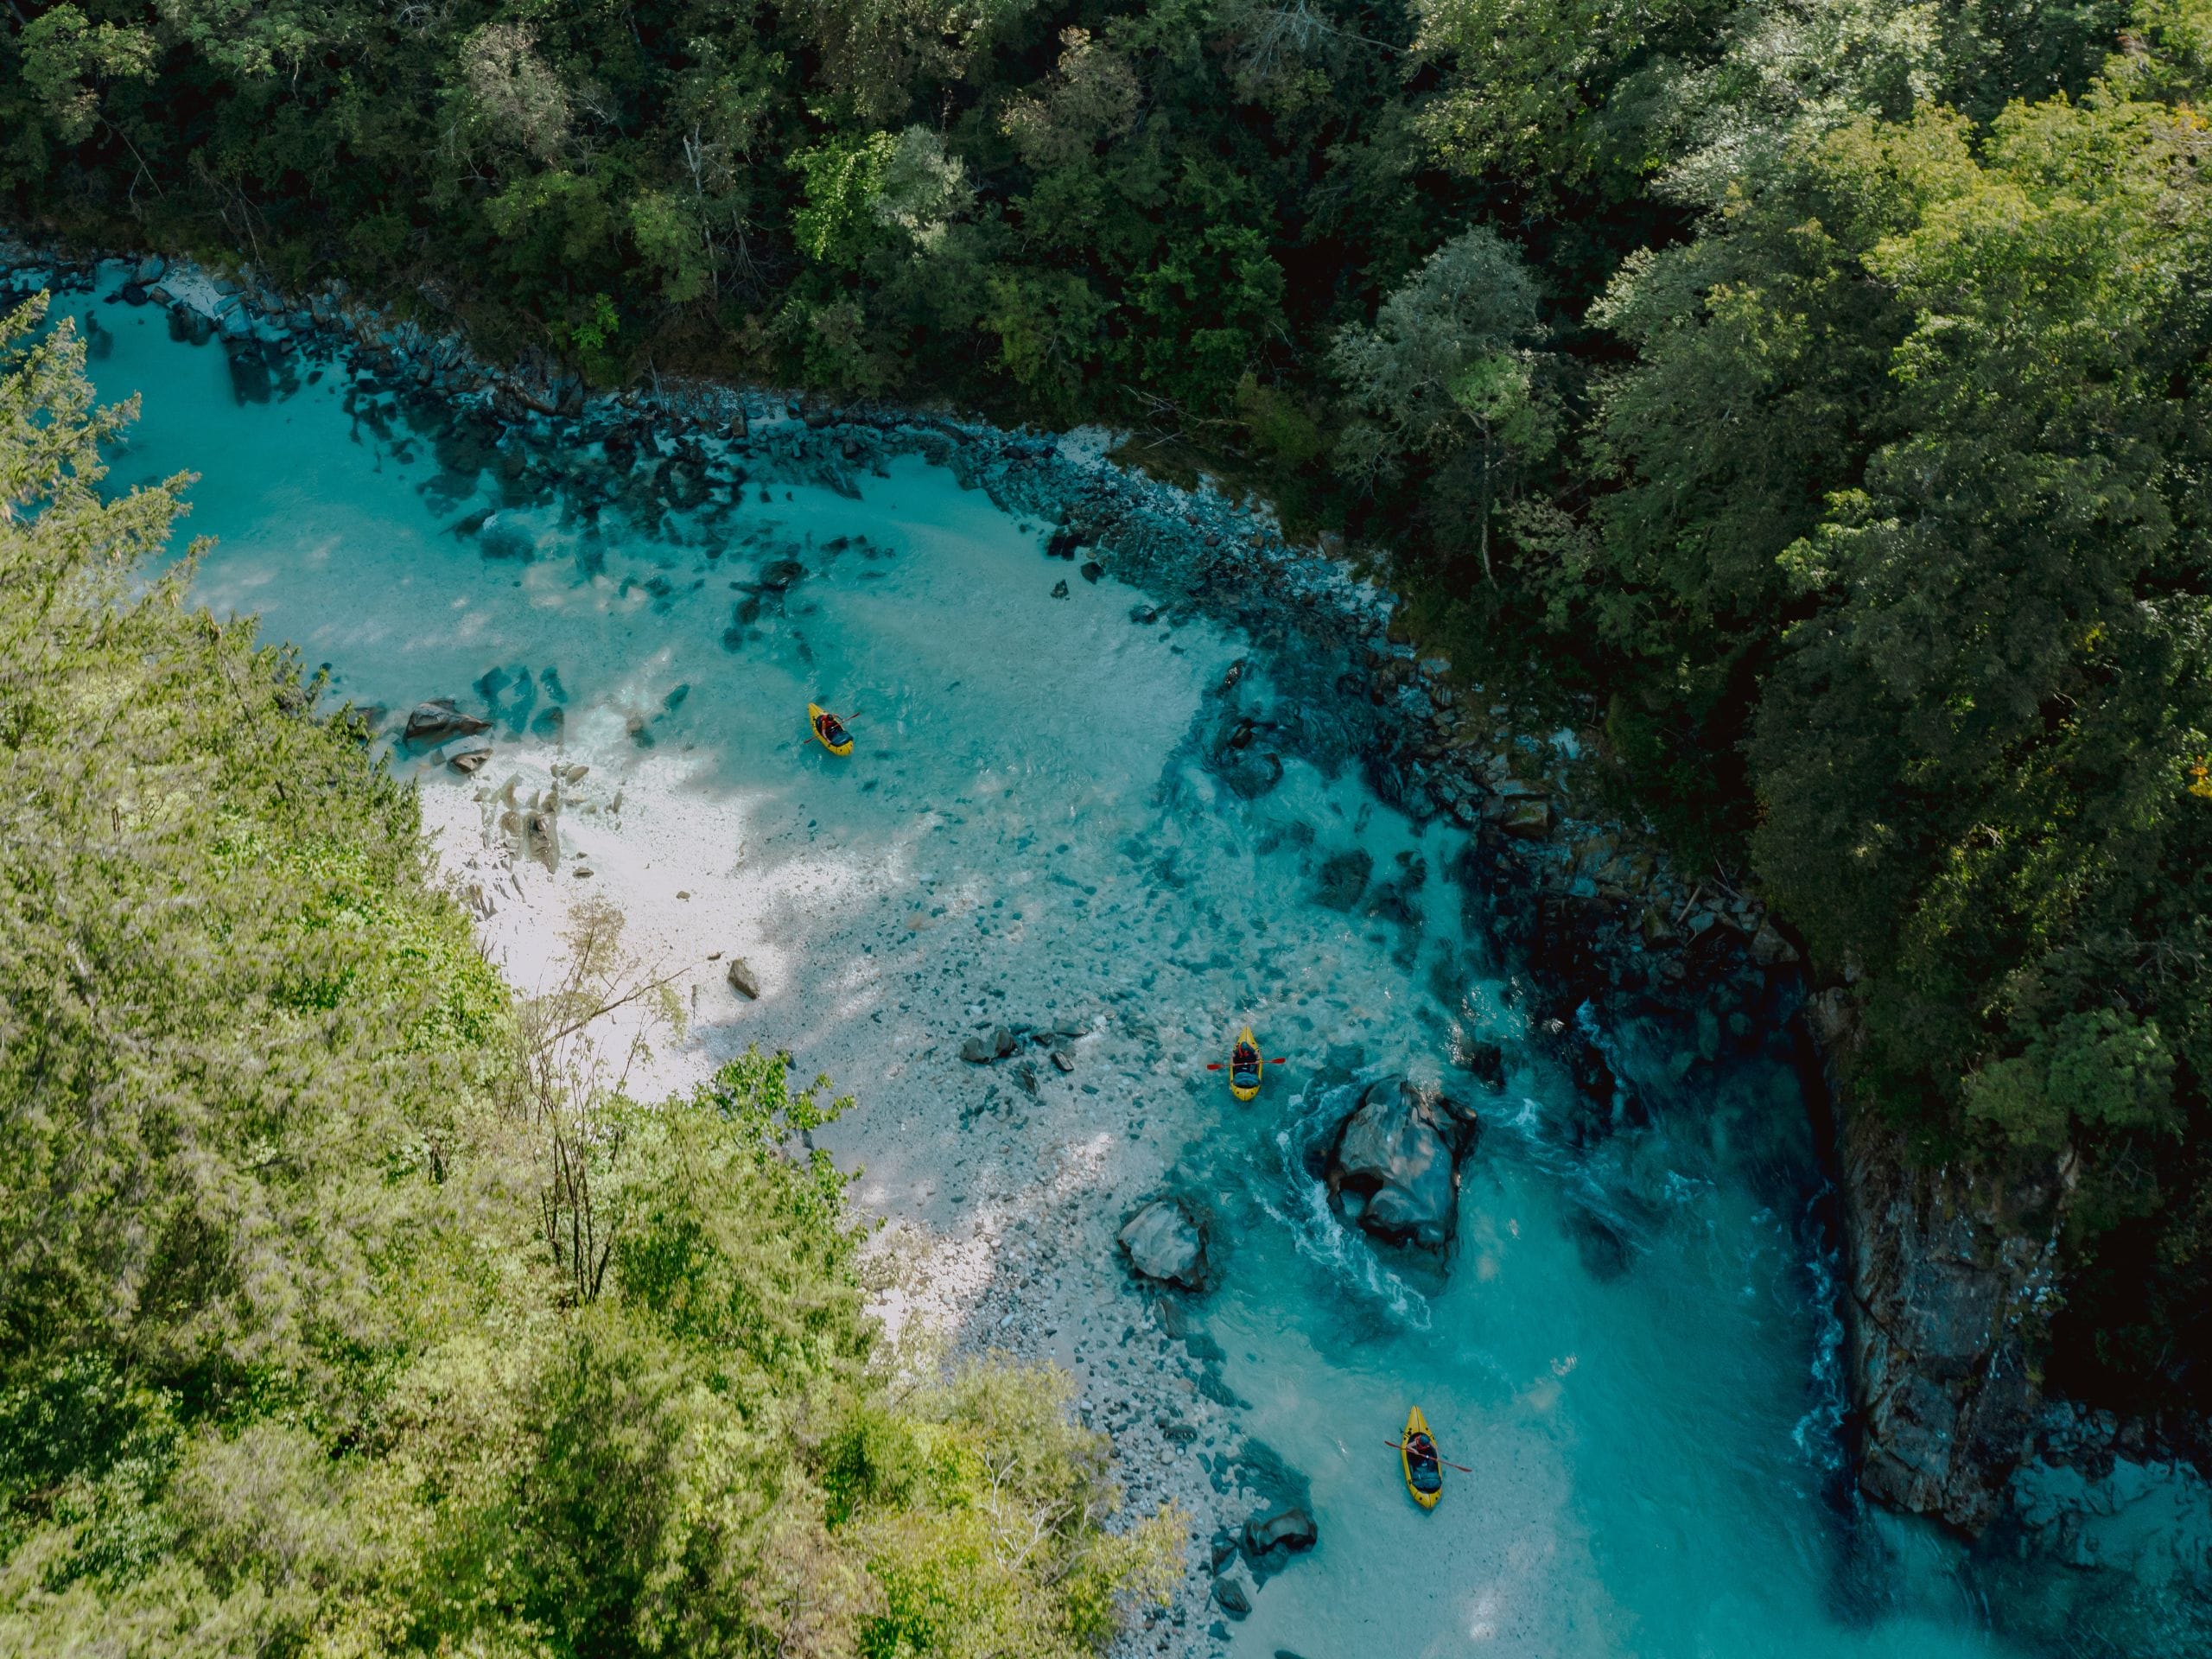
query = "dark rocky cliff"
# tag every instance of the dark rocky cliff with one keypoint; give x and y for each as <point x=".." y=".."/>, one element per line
<point x="1950" y="1271"/>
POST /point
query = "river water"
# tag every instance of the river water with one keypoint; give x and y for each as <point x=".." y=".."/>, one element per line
<point x="1633" y="1347"/>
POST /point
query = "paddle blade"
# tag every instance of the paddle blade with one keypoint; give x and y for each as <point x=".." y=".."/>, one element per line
<point x="1214" y="1068"/>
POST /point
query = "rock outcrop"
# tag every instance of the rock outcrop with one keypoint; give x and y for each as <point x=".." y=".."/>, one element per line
<point x="1949" y="1272"/>
<point x="1395" y="1169"/>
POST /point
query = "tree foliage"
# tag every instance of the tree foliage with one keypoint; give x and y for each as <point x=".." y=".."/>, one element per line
<point x="1447" y="374"/>
<point x="1914" y="438"/>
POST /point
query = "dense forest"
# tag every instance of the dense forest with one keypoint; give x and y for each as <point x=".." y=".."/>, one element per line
<point x="348" y="1306"/>
<point x="1812" y="383"/>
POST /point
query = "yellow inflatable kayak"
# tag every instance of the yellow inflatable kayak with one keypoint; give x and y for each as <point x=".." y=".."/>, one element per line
<point x="828" y="730"/>
<point x="1423" y="1452"/>
<point x="1245" y="1066"/>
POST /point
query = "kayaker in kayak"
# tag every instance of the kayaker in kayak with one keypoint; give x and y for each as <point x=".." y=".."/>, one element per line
<point x="832" y="729"/>
<point x="1243" y="1066"/>
<point x="1428" y="1474"/>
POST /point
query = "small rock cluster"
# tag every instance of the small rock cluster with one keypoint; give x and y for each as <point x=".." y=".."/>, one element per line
<point x="1005" y="1042"/>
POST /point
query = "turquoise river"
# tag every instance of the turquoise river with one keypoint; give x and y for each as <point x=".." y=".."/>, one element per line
<point x="1634" y="1345"/>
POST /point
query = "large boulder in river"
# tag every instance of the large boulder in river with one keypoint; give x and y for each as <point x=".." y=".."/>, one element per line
<point x="438" y="719"/>
<point x="1395" y="1169"/>
<point x="1164" y="1242"/>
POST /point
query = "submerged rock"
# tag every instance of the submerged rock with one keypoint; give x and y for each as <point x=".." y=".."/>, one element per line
<point x="250" y="378"/>
<point x="1395" y="1169"/>
<point x="189" y="326"/>
<point x="1163" y="1242"/>
<point x="1605" y="1251"/>
<point x="1232" y="1592"/>
<point x="1484" y="1062"/>
<point x="1343" y="878"/>
<point x="1398" y="900"/>
<point x="500" y="538"/>
<point x="1250" y="773"/>
<point x="982" y="1051"/>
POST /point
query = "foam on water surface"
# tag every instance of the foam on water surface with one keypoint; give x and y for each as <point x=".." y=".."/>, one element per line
<point x="1633" y="1347"/>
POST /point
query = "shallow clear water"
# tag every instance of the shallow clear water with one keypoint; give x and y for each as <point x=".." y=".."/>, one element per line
<point x="1631" y="1346"/>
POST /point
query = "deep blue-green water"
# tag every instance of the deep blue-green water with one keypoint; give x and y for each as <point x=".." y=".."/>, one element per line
<point x="1634" y="1345"/>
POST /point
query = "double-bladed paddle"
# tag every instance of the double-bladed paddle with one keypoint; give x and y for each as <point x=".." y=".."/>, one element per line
<point x="1398" y="1446"/>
